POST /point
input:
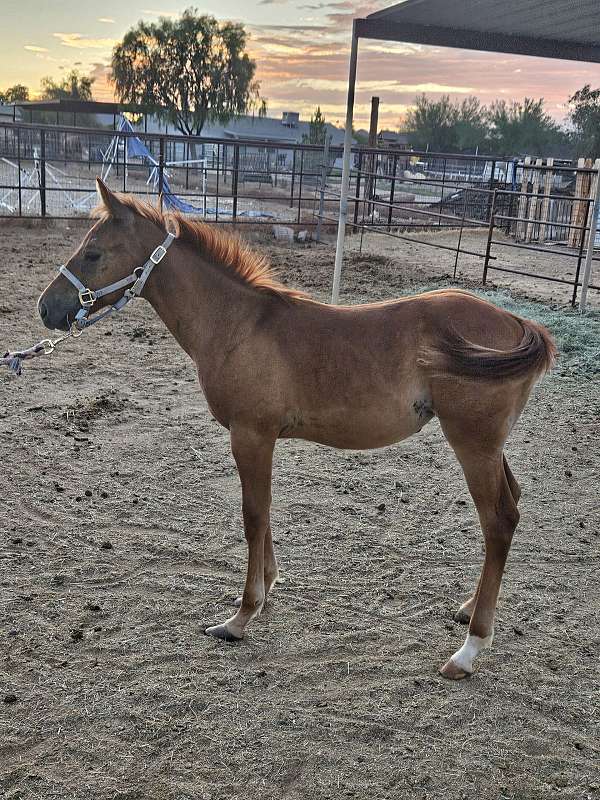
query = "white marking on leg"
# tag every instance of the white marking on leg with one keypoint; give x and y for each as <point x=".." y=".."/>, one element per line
<point x="473" y="645"/>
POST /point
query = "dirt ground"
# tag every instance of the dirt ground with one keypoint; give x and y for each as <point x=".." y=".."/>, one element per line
<point x="120" y="538"/>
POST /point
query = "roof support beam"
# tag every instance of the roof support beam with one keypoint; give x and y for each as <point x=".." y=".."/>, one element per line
<point x="475" y="40"/>
<point x="341" y="231"/>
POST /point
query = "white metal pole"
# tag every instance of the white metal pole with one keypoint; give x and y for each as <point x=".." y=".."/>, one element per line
<point x="587" y="270"/>
<point x="339" y="250"/>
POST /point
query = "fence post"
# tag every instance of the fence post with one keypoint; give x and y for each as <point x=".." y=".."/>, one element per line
<point x="357" y="195"/>
<point x="442" y="192"/>
<point x="489" y="239"/>
<point x="124" y="163"/>
<point x="580" y="252"/>
<point x="235" y="179"/>
<point x="300" y="186"/>
<point x="324" y="171"/>
<point x="19" y="170"/>
<point x="392" y="190"/>
<point x="545" y="215"/>
<point x="42" y="172"/>
<point x="591" y="240"/>
<point x="293" y="178"/>
<point x="161" y="167"/>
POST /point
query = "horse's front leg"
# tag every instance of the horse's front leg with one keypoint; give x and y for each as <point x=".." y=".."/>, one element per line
<point x="253" y="455"/>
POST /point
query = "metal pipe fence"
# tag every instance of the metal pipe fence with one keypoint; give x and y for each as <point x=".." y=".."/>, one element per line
<point x="49" y="171"/>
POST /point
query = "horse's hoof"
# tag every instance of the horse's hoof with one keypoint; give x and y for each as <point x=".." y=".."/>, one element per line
<point x="453" y="672"/>
<point x="238" y="602"/>
<point x="222" y="632"/>
<point x="462" y="616"/>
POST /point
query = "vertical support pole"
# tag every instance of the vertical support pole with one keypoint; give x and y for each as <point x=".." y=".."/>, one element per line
<point x="300" y="186"/>
<point x="442" y="193"/>
<point x="19" y="170"/>
<point x="217" y="187"/>
<point x="533" y="207"/>
<point x="339" y="252"/>
<point x="124" y="163"/>
<point x="235" y="178"/>
<point x="392" y="190"/>
<point x="587" y="270"/>
<point x="576" y="207"/>
<point x="42" y="172"/>
<point x="324" y="171"/>
<point x="187" y="165"/>
<point x="545" y="231"/>
<point x="580" y="253"/>
<point x="489" y="239"/>
<point x="372" y="160"/>
<point x="357" y="193"/>
<point x="460" y="233"/>
<point x="293" y="178"/>
<point x="161" y="168"/>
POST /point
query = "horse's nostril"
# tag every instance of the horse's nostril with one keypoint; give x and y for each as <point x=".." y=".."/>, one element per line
<point x="43" y="311"/>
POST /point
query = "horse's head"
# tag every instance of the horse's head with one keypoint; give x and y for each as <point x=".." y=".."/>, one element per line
<point x="118" y="242"/>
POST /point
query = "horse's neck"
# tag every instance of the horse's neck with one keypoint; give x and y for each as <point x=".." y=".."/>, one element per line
<point x="201" y="305"/>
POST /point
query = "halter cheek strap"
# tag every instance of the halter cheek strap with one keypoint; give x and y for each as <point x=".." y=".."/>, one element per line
<point x="136" y="281"/>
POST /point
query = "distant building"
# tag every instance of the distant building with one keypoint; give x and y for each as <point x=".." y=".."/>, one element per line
<point x="394" y="140"/>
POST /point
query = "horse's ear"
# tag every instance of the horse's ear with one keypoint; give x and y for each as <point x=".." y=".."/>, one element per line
<point x="111" y="202"/>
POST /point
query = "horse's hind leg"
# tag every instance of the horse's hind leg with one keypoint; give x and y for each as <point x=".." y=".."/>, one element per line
<point x="512" y="482"/>
<point x="465" y="612"/>
<point x="253" y="455"/>
<point x="489" y="485"/>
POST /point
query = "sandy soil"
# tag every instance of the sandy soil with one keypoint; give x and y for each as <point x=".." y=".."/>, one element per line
<point x="120" y="538"/>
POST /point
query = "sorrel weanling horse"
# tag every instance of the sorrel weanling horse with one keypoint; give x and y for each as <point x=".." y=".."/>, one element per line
<point x="275" y="364"/>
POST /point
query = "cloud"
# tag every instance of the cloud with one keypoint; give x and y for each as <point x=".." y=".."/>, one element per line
<point x="107" y="20"/>
<point x="154" y="13"/>
<point x="272" y="2"/>
<point x="33" y="48"/>
<point x="84" y="42"/>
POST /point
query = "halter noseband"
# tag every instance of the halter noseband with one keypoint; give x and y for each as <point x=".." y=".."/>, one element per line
<point x="136" y="281"/>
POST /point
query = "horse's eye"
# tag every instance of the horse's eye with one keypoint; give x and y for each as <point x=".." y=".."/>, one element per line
<point x="91" y="256"/>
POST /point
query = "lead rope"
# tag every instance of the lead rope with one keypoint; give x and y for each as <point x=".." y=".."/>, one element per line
<point x="14" y="361"/>
<point x="87" y="298"/>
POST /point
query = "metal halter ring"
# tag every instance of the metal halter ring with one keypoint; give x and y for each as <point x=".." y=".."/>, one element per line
<point x="48" y="346"/>
<point x="87" y="297"/>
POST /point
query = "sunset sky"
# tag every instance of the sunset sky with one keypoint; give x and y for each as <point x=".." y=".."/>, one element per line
<point x="301" y="48"/>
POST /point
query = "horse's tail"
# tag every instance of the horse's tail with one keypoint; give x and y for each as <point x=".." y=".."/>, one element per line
<point x="534" y="355"/>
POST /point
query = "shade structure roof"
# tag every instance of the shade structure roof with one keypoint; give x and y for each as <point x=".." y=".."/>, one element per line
<point x="567" y="29"/>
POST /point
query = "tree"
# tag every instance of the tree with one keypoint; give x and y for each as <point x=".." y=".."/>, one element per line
<point x="519" y="128"/>
<point x="73" y="87"/>
<point x="431" y="124"/>
<point x="471" y="127"/>
<point x="317" y="132"/>
<point x="15" y="94"/>
<point x="444" y="126"/>
<point x="190" y="70"/>
<point x="584" y="115"/>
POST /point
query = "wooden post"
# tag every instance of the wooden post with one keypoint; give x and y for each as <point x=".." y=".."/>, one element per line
<point x="546" y="203"/>
<point x="577" y="204"/>
<point x="587" y="270"/>
<point x="522" y="207"/>
<point x="372" y="160"/>
<point x="533" y="206"/>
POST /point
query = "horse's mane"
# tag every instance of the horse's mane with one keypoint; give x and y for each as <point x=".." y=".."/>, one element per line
<point x="227" y="250"/>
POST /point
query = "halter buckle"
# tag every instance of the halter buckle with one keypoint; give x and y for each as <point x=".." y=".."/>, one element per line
<point x="87" y="297"/>
<point x="157" y="255"/>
